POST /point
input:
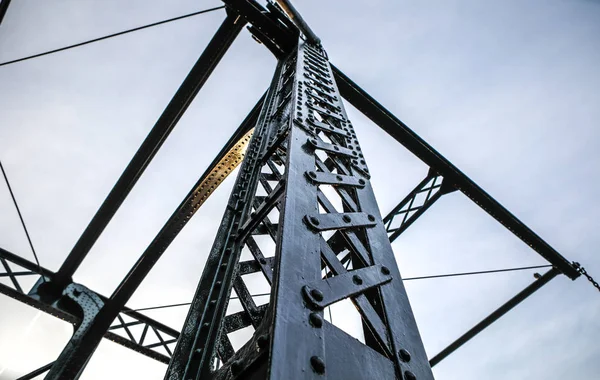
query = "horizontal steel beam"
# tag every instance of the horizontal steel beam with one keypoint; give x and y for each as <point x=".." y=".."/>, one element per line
<point x="362" y="101"/>
<point x="33" y="301"/>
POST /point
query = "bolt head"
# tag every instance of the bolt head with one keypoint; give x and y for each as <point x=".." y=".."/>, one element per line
<point x="404" y="355"/>
<point x="317" y="364"/>
<point x="262" y="341"/>
<point x="409" y="375"/>
<point x="357" y="279"/>
<point x="317" y="295"/>
<point x="385" y="270"/>
<point x="315" y="320"/>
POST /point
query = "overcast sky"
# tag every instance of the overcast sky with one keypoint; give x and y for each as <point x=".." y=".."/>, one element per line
<point x="507" y="90"/>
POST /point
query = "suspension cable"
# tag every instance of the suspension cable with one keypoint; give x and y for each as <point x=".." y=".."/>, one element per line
<point x="187" y="303"/>
<point x="404" y="279"/>
<point x="110" y="36"/>
<point x="474" y="273"/>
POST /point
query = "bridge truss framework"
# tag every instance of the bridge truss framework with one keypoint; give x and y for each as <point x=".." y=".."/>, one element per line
<point x="300" y="161"/>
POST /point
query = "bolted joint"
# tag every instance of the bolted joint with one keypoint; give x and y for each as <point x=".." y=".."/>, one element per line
<point x="315" y="320"/>
<point x="312" y="296"/>
<point x="404" y="355"/>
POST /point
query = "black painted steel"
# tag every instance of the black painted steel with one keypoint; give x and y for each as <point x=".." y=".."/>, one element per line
<point x="423" y="196"/>
<point x="493" y="317"/>
<point x="33" y="374"/>
<point x="204" y="343"/>
<point x="304" y="152"/>
<point x="295" y="16"/>
<point x="3" y="8"/>
<point x="302" y="217"/>
<point x="16" y="267"/>
<point x="184" y="96"/>
<point x="268" y="27"/>
<point x="80" y="348"/>
<point x="404" y="135"/>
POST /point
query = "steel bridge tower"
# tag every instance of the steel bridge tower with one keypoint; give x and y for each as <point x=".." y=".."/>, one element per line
<point x="305" y="184"/>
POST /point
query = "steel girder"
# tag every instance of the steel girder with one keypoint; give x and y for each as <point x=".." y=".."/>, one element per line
<point x="3" y="8"/>
<point x="16" y="267"/>
<point x="302" y="158"/>
<point x="351" y="242"/>
<point x="184" y="96"/>
<point x="279" y="44"/>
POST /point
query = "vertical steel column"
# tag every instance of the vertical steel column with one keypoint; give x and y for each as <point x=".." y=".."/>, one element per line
<point x="306" y="158"/>
<point x="203" y="340"/>
<point x="324" y="162"/>
<point x="198" y="75"/>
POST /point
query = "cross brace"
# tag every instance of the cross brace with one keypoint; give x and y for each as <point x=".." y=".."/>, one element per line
<point x="306" y="158"/>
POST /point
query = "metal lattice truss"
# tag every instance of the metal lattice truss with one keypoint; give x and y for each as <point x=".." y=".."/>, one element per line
<point x="302" y="216"/>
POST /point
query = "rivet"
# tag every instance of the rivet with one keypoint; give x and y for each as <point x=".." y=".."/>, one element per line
<point x="346" y="219"/>
<point x="357" y="280"/>
<point x="315" y="320"/>
<point x="317" y="295"/>
<point x="409" y="375"/>
<point x="236" y="367"/>
<point x="371" y="217"/>
<point x="362" y="181"/>
<point x="312" y="174"/>
<point x="314" y="220"/>
<point x="404" y="355"/>
<point x="385" y="270"/>
<point x="262" y="341"/>
<point x="339" y="178"/>
<point x="262" y="260"/>
<point x="318" y="365"/>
